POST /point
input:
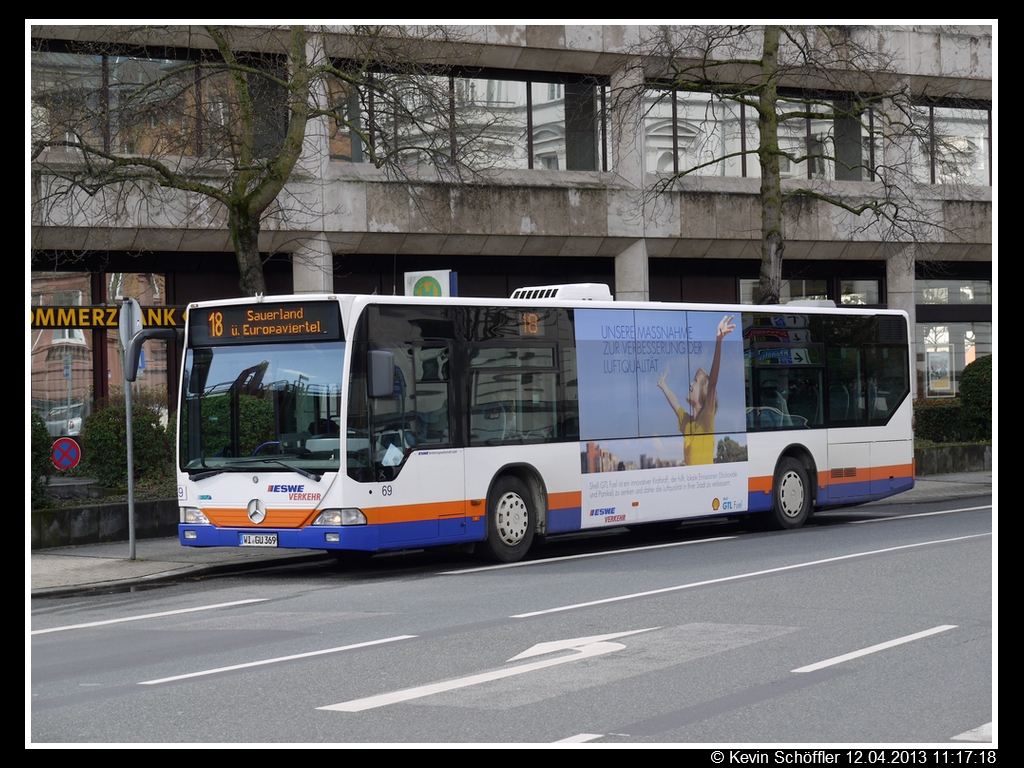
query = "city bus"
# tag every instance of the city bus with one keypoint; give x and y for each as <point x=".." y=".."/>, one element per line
<point x="362" y="424"/>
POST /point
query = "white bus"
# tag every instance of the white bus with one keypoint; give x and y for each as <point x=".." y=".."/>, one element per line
<point x="356" y="423"/>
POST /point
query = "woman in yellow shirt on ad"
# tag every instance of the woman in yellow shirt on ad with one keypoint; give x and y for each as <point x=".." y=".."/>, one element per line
<point x="698" y="427"/>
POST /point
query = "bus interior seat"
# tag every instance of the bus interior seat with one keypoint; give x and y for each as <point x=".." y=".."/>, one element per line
<point x="838" y="402"/>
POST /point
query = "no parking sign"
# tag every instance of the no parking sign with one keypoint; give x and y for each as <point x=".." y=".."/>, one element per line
<point x="65" y="453"/>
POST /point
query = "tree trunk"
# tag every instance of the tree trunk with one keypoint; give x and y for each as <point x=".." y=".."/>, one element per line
<point x="772" y="244"/>
<point x="245" y="233"/>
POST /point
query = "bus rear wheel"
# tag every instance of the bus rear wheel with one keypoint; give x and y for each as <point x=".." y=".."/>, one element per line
<point x="791" y="494"/>
<point x="511" y="515"/>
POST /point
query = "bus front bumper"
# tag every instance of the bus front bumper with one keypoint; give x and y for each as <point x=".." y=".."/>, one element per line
<point x="362" y="537"/>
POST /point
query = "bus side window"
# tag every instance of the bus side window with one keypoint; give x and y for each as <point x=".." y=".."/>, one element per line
<point x="774" y="398"/>
<point x="838" y="402"/>
<point x="430" y="394"/>
<point x="805" y="397"/>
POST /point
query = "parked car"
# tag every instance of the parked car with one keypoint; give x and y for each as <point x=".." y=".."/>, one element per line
<point x="65" y="420"/>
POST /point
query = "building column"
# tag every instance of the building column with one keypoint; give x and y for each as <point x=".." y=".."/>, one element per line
<point x="632" y="270"/>
<point x="632" y="274"/>
<point x="899" y="280"/>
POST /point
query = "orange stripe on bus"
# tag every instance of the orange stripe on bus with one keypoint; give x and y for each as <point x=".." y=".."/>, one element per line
<point x="893" y="470"/>
<point x="276" y="518"/>
<point x="412" y="513"/>
<point x="864" y="474"/>
<point x="566" y="500"/>
<point x="851" y="475"/>
<point x="402" y="513"/>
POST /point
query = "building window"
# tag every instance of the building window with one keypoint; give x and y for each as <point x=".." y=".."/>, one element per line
<point x="705" y="135"/>
<point x="791" y="290"/>
<point x="116" y="100"/>
<point x="843" y="291"/>
<point x="943" y="350"/>
<point x="962" y="291"/>
<point x="73" y="368"/>
<point x="61" y="358"/>
<point x="856" y="293"/>
<point x="477" y="122"/>
<point x="952" y="144"/>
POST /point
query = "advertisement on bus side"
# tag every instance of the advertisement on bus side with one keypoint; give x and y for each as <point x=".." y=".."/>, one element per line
<point x="662" y="415"/>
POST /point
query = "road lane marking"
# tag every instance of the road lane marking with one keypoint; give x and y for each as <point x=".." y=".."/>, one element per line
<point x="548" y="560"/>
<point x="579" y="738"/>
<point x="739" y="576"/>
<point x="874" y="649"/>
<point x="921" y="514"/>
<point x="584" y="647"/>
<point x="149" y="616"/>
<point x="983" y="733"/>
<point x="276" y="660"/>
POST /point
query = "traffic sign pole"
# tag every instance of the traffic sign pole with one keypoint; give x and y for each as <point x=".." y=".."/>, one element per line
<point x="129" y="326"/>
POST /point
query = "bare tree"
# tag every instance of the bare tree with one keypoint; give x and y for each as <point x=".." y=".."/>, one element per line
<point x="221" y="118"/>
<point x="807" y="108"/>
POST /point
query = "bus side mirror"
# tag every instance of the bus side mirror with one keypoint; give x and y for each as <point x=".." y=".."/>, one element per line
<point x="380" y="371"/>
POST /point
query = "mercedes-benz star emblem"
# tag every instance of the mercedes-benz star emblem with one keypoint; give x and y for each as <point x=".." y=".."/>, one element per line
<point x="257" y="511"/>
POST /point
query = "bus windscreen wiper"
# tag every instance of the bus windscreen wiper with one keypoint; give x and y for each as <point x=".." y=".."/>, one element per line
<point x="270" y="460"/>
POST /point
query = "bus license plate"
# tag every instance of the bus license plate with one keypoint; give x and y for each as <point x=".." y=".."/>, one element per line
<point x="257" y="540"/>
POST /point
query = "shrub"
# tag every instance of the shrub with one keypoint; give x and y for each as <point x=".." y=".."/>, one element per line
<point x="937" y="420"/>
<point x="976" y="397"/>
<point x="40" y="465"/>
<point x="105" y="446"/>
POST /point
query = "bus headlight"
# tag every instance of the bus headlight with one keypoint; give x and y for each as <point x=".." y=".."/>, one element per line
<point x="346" y="516"/>
<point x="192" y="516"/>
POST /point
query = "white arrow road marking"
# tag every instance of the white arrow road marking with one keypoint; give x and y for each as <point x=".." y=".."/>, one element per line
<point x="565" y="645"/>
<point x="585" y="647"/>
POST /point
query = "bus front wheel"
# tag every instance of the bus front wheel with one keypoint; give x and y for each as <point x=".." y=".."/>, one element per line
<point x="511" y="515"/>
<point x="791" y="494"/>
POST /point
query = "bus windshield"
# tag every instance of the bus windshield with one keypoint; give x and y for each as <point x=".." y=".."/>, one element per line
<point x="262" y="405"/>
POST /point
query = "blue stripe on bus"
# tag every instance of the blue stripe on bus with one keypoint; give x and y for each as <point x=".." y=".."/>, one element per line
<point x="564" y="520"/>
<point x="845" y="493"/>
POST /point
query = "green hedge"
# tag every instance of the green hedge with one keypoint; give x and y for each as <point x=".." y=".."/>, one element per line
<point x="937" y="420"/>
<point x="105" y="446"/>
<point x="976" y="400"/>
<point x="41" y="465"/>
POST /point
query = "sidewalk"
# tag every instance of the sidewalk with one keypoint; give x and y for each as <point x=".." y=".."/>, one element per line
<point x="105" y="566"/>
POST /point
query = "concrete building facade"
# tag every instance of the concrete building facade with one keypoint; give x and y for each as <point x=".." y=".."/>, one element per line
<point x="569" y="188"/>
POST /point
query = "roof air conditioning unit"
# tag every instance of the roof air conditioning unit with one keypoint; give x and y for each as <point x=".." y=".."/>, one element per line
<point x="577" y="291"/>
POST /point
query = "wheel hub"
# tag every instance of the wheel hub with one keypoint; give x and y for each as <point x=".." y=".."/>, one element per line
<point x="791" y="494"/>
<point x="512" y="518"/>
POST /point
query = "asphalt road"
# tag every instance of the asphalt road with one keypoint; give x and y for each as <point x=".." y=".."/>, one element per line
<point x="873" y="626"/>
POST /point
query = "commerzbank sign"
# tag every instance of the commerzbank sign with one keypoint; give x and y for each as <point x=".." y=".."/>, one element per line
<point x="102" y="317"/>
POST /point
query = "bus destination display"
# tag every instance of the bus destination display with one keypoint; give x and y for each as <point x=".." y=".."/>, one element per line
<point x="244" y="324"/>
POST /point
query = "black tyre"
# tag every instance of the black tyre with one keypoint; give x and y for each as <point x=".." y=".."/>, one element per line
<point x="511" y="516"/>
<point x="791" y="494"/>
